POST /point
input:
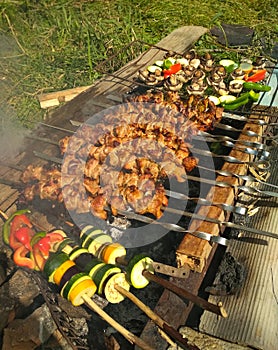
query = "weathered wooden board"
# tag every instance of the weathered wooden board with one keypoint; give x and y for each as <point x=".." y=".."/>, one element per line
<point x="195" y="251"/>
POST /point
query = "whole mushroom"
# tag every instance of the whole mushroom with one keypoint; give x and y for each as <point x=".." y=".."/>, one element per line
<point x="236" y="86"/>
<point x="238" y="73"/>
<point x="197" y="87"/>
<point x="173" y="83"/>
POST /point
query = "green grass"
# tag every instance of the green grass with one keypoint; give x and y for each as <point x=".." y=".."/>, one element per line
<point x="56" y="44"/>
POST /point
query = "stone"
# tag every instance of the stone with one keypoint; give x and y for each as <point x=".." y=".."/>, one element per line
<point x="206" y="342"/>
<point x="31" y="332"/>
<point x="16" y="295"/>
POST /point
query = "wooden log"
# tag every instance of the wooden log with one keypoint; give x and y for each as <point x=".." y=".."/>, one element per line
<point x="194" y="251"/>
<point x="54" y="99"/>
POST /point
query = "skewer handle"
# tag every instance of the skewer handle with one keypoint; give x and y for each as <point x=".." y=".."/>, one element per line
<point x="128" y="335"/>
<point x="204" y="304"/>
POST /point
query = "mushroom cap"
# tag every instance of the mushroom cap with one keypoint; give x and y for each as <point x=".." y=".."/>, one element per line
<point x="195" y="62"/>
<point x="236" y="86"/>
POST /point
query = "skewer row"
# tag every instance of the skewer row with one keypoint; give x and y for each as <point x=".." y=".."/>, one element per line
<point x="79" y="274"/>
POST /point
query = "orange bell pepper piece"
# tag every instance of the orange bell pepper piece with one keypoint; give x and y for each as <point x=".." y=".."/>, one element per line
<point x="20" y="258"/>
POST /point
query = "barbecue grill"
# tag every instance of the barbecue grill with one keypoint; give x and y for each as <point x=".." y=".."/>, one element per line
<point x="225" y="202"/>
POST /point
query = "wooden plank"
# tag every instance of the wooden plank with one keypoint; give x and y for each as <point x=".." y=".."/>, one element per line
<point x="194" y="251"/>
<point x="179" y="40"/>
<point x="54" y="99"/>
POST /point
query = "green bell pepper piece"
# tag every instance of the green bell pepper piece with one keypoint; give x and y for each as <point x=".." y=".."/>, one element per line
<point x="6" y="226"/>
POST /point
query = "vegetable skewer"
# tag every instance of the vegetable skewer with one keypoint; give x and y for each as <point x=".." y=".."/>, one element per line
<point x="78" y="287"/>
<point x="140" y="269"/>
<point x="76" y="255"/>
<point x="81" y="289"/>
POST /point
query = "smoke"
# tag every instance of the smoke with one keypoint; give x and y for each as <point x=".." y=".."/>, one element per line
<point x="12" y="132"/>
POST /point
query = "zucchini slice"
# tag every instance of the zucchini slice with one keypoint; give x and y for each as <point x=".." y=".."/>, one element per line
<point x="74" y="281"/>
<point x="153" y="68"/>
<point x="86" y="287"/>
<point x="227" y="99"/>
<point x="88" y="230"/>
<point x="214" y="99"/>
<point x="111" y="252"/>
<point x="76" y="251"/>
<point x="226" y="62"/>
<point x="246" y="67"/>
<point x="135" y="269"/>
<point x="86" y="238"/>
<point x="52" y="263"/>
<point x="102" y="274"/>
<point x="111" y="294"/>
<point x="61" y="245"/>
<point x="93" y="244"/>
<point x="92" y="267"/>
<point x="159" y="63"/>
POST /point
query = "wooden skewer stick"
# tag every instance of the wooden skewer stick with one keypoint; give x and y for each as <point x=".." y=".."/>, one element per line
<point x="4" y="215"/>
<point x="133" y="339"/>
<point x="204" y="304"/>
<point x="157" y="319"/>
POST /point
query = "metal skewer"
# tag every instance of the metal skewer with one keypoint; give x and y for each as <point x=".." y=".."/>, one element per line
<point x="263" y="153"/>
<point x="261" y="164"/>
<point x="202" y="201"/>
<point x="246" y="189"/>
<point x="203" y="235"/>
<point x="204" y="304"/>
<point x="244" y="132"/>
<point x="238" y="210"/>
<point x="230" y="159"/>
<point x="249" y="120"/>
<point x="227" y="173"/>
<point x="222" y="138"/>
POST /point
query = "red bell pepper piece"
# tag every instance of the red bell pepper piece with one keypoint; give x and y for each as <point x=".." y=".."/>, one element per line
<point x="55" y="236"/>
<point x="24" y="235"/>
<point x="21" y="259"/>
<point x="6" y="226"/>
<point x="175" y="68"/>
<point x="17" y="223"/>
<point x="44" y="245"/>
<point x="259" y="75"/>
